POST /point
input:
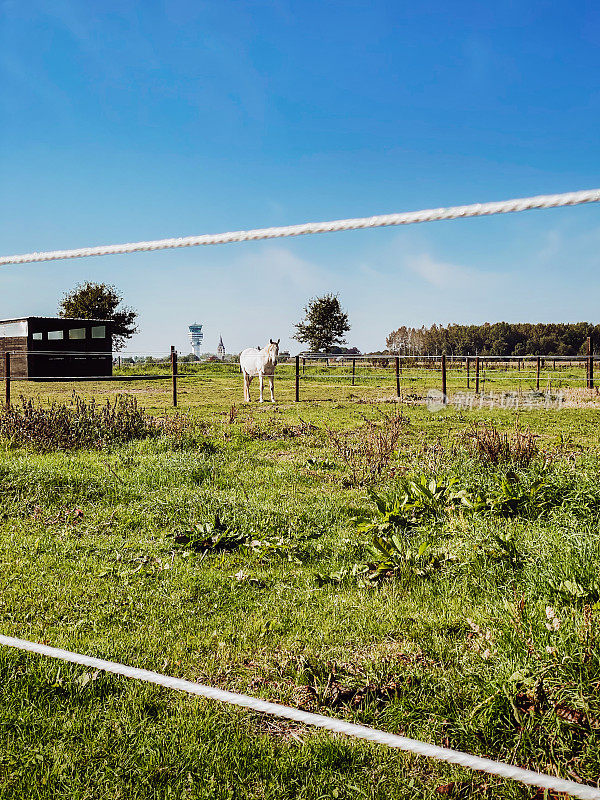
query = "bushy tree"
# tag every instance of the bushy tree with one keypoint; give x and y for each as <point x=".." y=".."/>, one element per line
<point x="100" y="301"/>
<point x="324" y="324"/>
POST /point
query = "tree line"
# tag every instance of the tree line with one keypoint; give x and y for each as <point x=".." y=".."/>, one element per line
<point x="497" y="339"/>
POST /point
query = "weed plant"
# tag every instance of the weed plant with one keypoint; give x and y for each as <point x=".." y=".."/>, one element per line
<point x="368" y="450"/>
<point x="492" y="446"/>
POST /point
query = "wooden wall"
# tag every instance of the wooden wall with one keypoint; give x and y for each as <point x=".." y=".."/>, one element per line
<point x="18" y="363"/>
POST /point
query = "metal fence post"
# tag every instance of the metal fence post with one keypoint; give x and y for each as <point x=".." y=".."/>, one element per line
<point x="397" y="376"/>
<point x="468" y="371"/>
<point x="297" y="379"/>
<point x="353" y="370"/>
<point x="476" y="374"/>
<point x="537" y="373"/>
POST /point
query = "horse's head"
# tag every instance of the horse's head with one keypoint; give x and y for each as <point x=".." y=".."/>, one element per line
<point x="273" y="351"/>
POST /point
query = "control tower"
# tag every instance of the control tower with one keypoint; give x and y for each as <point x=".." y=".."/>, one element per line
<point x="196" y="336"/>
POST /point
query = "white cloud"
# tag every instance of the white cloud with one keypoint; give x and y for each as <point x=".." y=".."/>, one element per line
<point x="443" y="275"/>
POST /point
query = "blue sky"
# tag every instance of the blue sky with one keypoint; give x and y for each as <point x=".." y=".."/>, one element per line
<point x="131" y="120"/>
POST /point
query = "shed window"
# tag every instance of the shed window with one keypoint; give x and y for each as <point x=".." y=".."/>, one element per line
<point x="99" y="332"/>
<point x="77" y="333"/>
<point x="56" y="335"/>
<point x="37" y="337"/>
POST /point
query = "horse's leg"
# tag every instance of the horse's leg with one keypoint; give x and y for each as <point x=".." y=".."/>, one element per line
<point x="247" y="380"/>
<point x="272" y="386"/>
<point x="260" y="382"/>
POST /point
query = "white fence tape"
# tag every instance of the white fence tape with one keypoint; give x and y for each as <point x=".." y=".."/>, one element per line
<point x="381" y="220"/>
<point x="306" y="718"/>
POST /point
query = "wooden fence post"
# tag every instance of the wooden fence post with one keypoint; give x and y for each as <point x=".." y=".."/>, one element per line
<point x="468" y="372"/>
<point x="353" y="370"/>
<point x="174" y="374"/>
<point x="476" y="374"/>
<point x="7" y="378"/>
<point x="444" y="378"/>
<point x="297" y="379"/>
<point x="537" y="373"/>
<point x="397" y="376"/>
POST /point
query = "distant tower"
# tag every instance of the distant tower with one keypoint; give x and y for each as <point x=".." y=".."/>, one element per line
<point x="196" y="336"/>
<point x="221" y="349"/>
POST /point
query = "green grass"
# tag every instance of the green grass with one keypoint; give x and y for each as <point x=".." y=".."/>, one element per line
<point x="89" y="562"/>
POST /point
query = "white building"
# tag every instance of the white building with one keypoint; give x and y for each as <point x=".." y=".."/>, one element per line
<point x="196" y="336"/>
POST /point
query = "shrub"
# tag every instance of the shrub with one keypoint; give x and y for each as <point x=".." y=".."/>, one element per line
<point x="76" y="423"/>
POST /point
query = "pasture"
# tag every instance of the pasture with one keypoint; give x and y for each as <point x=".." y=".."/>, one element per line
<point x="413" y="571"/>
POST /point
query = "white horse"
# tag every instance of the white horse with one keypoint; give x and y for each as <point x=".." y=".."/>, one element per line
<point x="254" y="361"/>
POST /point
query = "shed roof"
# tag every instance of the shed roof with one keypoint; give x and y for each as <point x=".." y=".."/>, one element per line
<point x="56" y="319"/>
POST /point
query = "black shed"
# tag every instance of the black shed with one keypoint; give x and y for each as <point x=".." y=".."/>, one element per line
<point x="56" y="347"/>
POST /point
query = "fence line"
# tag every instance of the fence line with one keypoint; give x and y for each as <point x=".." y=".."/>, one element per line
<point x="480" y="364"/>
<point x="338" y="358"/>
<point x="332" y="724"/>
<point x="450" y="369"/>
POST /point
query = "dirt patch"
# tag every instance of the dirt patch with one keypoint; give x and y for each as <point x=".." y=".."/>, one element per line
<point x="580" y="398"/>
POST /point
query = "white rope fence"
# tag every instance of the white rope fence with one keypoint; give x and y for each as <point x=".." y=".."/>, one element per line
<point x="379" y="221"/>
<point x="327" y="723"/>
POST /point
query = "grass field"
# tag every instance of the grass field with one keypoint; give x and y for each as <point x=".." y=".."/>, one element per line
<point x="242" y="546"/>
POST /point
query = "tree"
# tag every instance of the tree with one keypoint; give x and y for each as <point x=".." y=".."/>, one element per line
<point x="324" y="324"/>
<point x="100" y="301"/>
